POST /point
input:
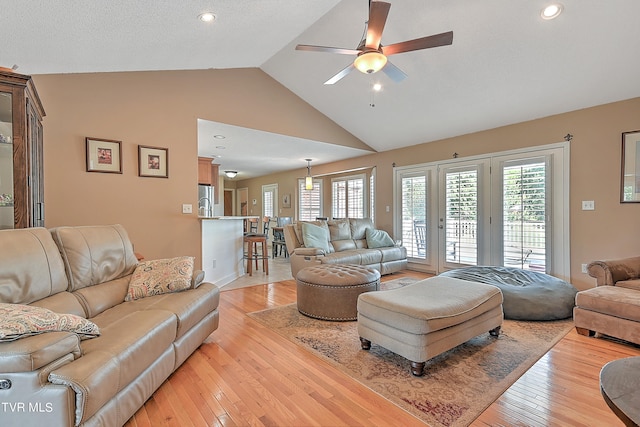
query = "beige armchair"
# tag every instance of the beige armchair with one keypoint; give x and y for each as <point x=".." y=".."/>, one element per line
<point x="613" y="306"/>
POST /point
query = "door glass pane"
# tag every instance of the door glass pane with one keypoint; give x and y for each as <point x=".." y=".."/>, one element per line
<point x="267" y="203"/>
<point x="461" y="221"/>
<point x="6" y="161"/>
<point x="414" y="215"/>
<point x="524" y="216"/>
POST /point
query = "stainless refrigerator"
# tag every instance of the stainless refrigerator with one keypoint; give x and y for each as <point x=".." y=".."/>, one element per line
<point x="205" y="200"/>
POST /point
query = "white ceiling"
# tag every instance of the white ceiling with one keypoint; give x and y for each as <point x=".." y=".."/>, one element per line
<point x="271" y="152"/>
<point x="506" y="64"/>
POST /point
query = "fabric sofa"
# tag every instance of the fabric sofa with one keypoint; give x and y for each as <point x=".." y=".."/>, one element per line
<point x="61" y="379"/>
<point x="613" y="306"/>
<point x="348" y="241"/>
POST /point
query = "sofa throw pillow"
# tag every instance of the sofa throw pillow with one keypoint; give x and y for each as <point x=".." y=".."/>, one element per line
<point x="160" y="276"/>
<point x="314" y="236"/>
<point x="378" y="239"/>
<point x="19" y="321"/>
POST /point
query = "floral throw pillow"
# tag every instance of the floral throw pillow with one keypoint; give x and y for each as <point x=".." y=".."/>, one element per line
<point x="160" y="276"/>
<point x="19" y="321"/>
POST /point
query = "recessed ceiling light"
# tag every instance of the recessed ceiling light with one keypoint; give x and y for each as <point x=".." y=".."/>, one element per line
<point x="551" y="11"/>
<point x="207" y="17"/>
<point x="219" y="136"/>
<point x="221" y="147"/>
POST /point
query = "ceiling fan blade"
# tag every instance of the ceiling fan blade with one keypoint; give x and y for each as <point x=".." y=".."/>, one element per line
<point x="394" y="73"/>
<point x="327" y="49"/>
<point x="436" y="40"/>
<point x="340" y="75"/>
<point x="377" y="18"/>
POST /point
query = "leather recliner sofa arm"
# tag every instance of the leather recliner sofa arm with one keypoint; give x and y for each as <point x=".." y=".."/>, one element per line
<point x="308" y="252"/>
<point x="197" y="279"/>
<point x="27" y="397"/>
<point x="608" y="272"/>
<point x="32" y="353"/>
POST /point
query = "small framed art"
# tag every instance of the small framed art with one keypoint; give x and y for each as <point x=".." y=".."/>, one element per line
<point x="103" y="155"/>
<point x="630" y="171"/>
<point x="286" y="201"/>
<point x="153" y="162"/>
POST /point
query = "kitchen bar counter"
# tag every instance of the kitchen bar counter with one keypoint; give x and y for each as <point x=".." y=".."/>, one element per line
<point x="222" y="248"/>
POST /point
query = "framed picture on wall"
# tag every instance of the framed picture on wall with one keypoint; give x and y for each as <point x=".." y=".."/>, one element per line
<point x="103" y="155"/>
<point x="286" y="201"/>
<point x="630" y="173"/>
<point x="153" y="161"/>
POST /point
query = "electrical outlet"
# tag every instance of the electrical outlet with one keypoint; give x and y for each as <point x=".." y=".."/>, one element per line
<point x="584" y="268"/>
<point x="588" y="205"/>
<point x="187" y="209"/>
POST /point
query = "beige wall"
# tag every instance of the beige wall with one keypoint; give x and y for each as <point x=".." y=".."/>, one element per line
<point x="161" y="108"/>
<point x="158" y="109"/>
<point x="611" y="231"/>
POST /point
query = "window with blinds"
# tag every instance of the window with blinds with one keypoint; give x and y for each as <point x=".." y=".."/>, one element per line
<point x="461" y="221"/>
<point x="524" y="212"/>
<point x="348" y="197"/>
<point x="268" y="203"/>
<point x="372" y="198"/>
<point x="414" y="215"/>
<point x="309" y="201"/>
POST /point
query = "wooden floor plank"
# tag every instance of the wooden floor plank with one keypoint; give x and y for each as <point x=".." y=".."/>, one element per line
<point x="245" y="374"/>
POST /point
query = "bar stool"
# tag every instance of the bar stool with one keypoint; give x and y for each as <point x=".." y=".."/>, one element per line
<point x="252" y="241"/>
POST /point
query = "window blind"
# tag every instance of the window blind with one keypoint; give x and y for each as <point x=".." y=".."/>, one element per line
<point x="309" y="201"/>
<point x="414" y="215"/>
<point x="461" y="222"/>
<point x="524" y="215"/>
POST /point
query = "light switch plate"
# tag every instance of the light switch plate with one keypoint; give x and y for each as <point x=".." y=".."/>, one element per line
<point x="187" y="209"/>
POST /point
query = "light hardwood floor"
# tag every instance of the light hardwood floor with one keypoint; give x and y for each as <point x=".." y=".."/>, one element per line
<point x="247" y="375"/>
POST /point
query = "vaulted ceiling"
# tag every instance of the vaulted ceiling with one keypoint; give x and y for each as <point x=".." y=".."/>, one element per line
<point x="506" y="64"/>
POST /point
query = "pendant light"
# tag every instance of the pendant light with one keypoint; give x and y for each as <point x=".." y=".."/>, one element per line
<point x="308" y="181"/>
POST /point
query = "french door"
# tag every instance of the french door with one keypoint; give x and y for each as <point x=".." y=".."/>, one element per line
<point x="463" y="214"/>
<point x="506" y="209"/>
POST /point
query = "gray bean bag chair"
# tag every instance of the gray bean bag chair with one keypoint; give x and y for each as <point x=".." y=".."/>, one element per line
<point x="528" y="295"/>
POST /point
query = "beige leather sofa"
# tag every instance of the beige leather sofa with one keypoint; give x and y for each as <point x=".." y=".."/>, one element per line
<point x="347" y="245"/>
<point x="613" y="306"/>
<point x="54" y="378"/>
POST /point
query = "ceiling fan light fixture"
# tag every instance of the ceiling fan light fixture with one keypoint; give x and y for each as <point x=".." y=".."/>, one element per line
<point x="551" y="11"/>
<point x="231" y="174"/>
<point x="370" y="62"/>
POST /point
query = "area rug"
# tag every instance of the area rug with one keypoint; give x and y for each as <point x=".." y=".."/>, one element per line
<point x="458" y="385"/>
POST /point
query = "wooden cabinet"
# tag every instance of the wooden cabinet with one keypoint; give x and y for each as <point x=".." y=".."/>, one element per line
<point x="204" y="171"/>
<point x="208" y="175"/>
<point x="21" y="158"/>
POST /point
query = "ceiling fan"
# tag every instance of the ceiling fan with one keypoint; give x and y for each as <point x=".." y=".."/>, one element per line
<point x="371" y="56"/>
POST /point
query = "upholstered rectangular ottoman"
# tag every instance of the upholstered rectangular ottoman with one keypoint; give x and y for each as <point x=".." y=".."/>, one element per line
<point x="429" y="317"/>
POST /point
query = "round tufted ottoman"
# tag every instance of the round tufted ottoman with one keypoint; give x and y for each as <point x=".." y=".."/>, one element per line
<point x="330" y="291"/>
<point x="528" y="295"/>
